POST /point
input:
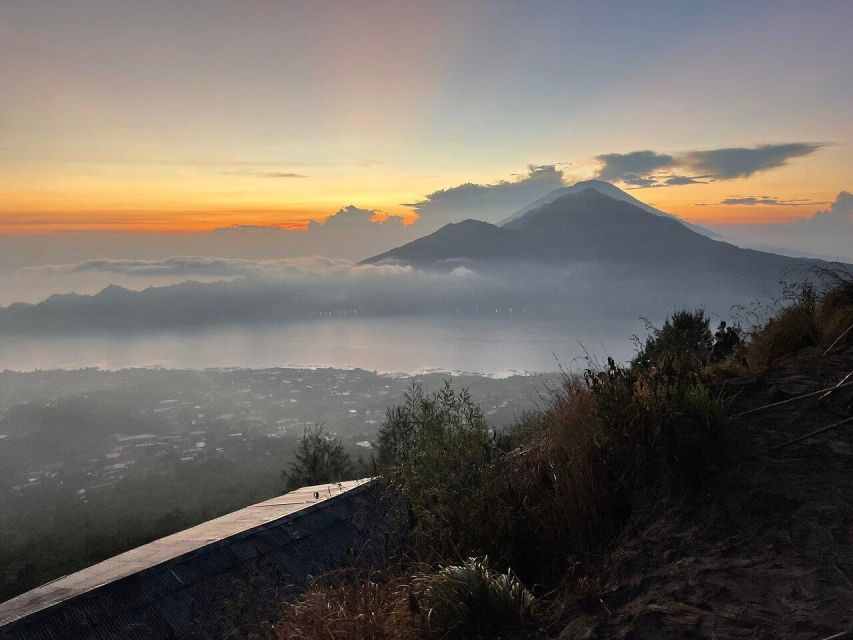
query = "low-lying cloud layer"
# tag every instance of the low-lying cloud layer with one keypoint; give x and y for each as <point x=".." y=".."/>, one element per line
<point x="351" y="233"/>
<point x="246" y="293"/>
<point x="193" y="266"/>
<point x="644" y="169"/>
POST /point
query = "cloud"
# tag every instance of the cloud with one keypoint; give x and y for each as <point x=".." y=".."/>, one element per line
<point x="647" y="169"/>
<point x="487" y="202"/>
<point x="828" y="233"/>
<point x="638" y="181"/>
<point x="631" y="167"/>
<point x="839" y="214"/>
<point x="351" y="232"/>
<point x="264" y="293"/>
<point x="279" y="174"/>
<point x="193" y="266"/>
<point x="769" y="200"/>
<point x="266" y="174"/>
<point x="754" y="201"/>
<point x="673" y="181"/>
<point x="750" y="200"/>
<point x="350" y="217"/>
<point x="288" y="292"/>
<point x="742" y="162"/>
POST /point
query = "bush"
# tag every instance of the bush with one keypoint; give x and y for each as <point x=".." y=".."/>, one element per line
<point x="437" y="453"/>
<point x="320" y="458"/>
<point x="682" y="344"/>
<point x="471" y="600"/>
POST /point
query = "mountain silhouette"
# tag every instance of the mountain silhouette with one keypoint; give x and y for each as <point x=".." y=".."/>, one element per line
<point x="607" y="189"/>
<point x="585" y="225"/>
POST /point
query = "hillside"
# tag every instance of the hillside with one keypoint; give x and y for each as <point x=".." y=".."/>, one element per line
<point x="764" y="549"/>
<point x="692" y="493"/>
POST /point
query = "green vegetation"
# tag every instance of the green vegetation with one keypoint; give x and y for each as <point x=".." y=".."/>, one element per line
<point x="319" y="458"/>
<point x="543" y="498"/>
<point x="471" y="599"/>
<point x="540" y="498"/>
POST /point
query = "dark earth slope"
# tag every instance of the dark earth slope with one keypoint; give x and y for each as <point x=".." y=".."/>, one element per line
<point x="764" y="549"/>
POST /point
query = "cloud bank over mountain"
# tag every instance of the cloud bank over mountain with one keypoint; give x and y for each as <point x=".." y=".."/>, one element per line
<point x="487" y="202"/>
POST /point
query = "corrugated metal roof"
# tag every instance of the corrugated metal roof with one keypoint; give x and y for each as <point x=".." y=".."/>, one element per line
<point x="196" y="583"/>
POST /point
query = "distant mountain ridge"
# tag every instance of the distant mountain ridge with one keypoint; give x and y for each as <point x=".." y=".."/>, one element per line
<point x="587" y="226"/>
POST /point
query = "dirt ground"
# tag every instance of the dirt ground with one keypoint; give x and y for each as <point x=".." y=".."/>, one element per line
<point x="764" y="549"/>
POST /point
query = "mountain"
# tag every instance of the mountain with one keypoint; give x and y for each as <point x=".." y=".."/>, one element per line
<point x="609" y="190"/>
<point x="587" y="226"/>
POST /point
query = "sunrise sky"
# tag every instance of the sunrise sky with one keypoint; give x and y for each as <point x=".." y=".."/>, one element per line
<point x="187" y="115"/>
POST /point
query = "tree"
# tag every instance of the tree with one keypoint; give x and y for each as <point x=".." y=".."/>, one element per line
<point x="319" y="458"/>
<point x="439" y="455"/>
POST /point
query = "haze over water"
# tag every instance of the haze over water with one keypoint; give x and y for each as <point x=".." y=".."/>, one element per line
<point x="494" y="347"/>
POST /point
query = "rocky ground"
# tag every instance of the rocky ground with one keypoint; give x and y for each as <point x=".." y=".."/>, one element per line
<point x="764" y="549"/>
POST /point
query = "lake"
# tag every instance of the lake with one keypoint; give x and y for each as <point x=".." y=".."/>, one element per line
<point x="497" y="347"/>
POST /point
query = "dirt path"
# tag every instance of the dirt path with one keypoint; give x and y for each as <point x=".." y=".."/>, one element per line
<point x="764" y="550"/>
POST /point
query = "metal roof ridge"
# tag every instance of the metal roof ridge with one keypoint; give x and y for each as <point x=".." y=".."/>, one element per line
<point x="54" y="593"/>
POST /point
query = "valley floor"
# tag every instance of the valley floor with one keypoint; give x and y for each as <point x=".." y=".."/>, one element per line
<point x="764" y="549"/>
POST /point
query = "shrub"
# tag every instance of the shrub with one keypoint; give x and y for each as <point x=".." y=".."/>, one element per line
<point x="438" y="454"/>
<point x="471" y="600"/>
<point x="320" y="458"/>
<point x="681" y="344"/>
<point x="566" y="485"/>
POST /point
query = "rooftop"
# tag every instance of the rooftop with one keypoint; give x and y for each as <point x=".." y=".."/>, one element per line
<point x="283" y="541"/>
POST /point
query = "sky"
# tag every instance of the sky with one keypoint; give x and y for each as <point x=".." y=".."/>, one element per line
<point x="186" y="116"/>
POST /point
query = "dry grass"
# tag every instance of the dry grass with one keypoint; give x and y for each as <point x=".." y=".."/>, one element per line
<point x="409" y="603"/>
<point x="556" y="481"/>
<point x="350" y="604"/>
<point x="808" y="324"/>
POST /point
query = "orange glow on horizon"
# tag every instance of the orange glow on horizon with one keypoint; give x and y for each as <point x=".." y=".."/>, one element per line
<point x="171" y="222"/>
<point x="137" y="199"/>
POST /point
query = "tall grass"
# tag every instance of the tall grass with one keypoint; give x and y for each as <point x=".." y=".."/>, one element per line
<point x="468" y="600"/>
<point x="809" y="318"/>
<point x="344" y="605"/>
